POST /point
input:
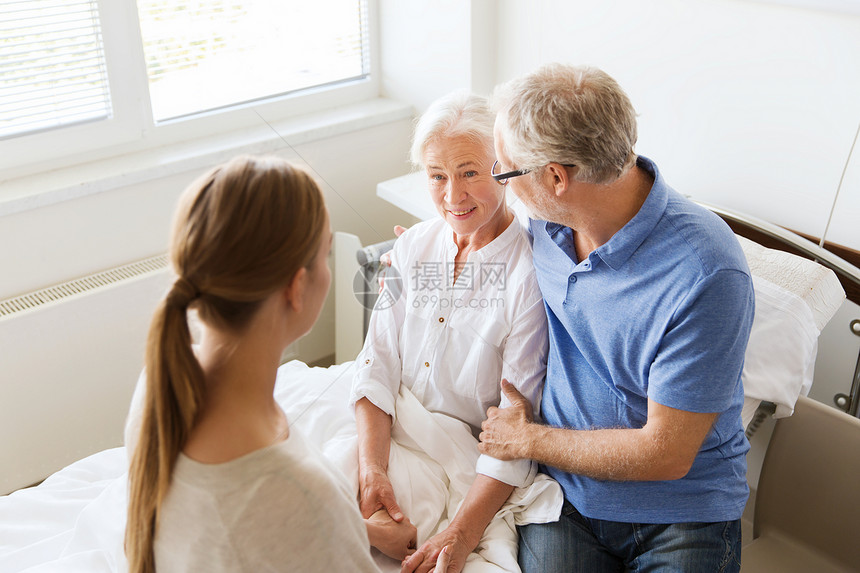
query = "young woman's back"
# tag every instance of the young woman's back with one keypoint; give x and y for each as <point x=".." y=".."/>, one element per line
<point x="218" y="482"/>
<point x="275" y="509"/>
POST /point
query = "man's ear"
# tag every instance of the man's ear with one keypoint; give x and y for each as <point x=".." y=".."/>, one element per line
<point x="296" y="290"/>
<point x="557" y="176"/>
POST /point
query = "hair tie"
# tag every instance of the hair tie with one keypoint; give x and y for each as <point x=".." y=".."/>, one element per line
<point x="182" y="293"/>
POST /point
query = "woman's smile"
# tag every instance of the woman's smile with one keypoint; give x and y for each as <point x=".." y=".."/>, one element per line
<point x="461" y="213"/>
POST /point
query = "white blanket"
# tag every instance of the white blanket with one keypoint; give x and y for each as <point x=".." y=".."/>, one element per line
<point x="431" y="465"/>
<point x="75" y="520"/>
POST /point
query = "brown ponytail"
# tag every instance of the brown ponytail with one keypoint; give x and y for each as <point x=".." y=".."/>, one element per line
<point x="240" y="232"/>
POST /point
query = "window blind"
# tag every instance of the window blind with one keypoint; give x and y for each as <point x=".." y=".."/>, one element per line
<point x="52" y="67"/>
<point x="203" y="55"/>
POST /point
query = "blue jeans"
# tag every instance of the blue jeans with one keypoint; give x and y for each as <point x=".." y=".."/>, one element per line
<point x="578" y="543"/>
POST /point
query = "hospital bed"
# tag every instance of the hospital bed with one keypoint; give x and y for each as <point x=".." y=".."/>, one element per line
<point x="806" y="509"/>
<point x="73" y="521"/>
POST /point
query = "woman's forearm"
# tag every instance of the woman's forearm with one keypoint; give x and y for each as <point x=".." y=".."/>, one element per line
<point x="484" y="499"/>
<point x="374" y="444"/>
<point x="374" y="435"/>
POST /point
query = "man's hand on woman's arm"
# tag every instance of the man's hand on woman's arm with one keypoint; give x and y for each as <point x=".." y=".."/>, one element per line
<point x="663" y="449"/>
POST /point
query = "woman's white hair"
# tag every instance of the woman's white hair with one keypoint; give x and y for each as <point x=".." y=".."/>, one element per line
<point x="458" y="114"/>
<point x="569" y="115"/>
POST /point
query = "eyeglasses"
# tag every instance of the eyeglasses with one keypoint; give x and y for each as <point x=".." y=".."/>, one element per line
<point x="502" y="178"/>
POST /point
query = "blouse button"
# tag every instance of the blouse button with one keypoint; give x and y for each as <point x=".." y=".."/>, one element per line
<point x="441" y="319"/>
<point x="367" y="361"/>
<point x="427" y="364"/>
<point x="573" y="278"/>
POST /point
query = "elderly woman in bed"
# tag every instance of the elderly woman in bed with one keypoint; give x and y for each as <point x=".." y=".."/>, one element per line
<point x="470" y="315"/>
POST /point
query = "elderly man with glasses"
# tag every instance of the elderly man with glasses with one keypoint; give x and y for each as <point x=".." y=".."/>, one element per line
<point x="649" y="304"/>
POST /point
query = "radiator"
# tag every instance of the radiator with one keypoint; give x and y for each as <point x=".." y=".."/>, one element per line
<point x="70" y="356"/>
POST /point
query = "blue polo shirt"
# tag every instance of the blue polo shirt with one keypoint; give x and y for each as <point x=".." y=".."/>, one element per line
<point x="663" y="310"/>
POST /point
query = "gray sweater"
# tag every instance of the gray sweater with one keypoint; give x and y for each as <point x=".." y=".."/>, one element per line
<point x="280" y="508"/>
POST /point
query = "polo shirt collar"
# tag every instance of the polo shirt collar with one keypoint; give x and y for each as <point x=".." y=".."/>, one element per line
<point x="624" y="243"/>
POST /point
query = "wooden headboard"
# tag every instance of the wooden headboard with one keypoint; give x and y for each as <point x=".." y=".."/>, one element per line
<point x="772" y="236"/>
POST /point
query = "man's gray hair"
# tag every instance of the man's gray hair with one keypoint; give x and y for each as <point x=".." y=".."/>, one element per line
<point x="569" y="115"/>
<point x="460" y="113"/>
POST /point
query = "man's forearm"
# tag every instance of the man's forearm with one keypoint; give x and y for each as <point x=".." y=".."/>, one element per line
<point x="663" y="449"/>
<point x="618" y="454"/>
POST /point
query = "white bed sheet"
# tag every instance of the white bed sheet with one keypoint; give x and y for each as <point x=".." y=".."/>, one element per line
<point x="74" y="521"/>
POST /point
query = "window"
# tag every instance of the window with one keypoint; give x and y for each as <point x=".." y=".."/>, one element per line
<point x="101" y="77"/>
<point x="53" y="65"/>
<point x="208" y="54"/>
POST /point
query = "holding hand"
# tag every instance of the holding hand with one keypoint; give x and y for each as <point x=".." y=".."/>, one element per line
<point x="397" y="540"/>
<point x="443" y="560"/>
<point x="443" y="553"/>
<point x="377" y="493"/>
<point x="504" y="432"/>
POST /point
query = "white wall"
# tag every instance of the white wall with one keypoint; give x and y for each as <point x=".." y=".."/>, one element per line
<point x="424" y="49"/>
<point x="431" y="48"/>
<point x="68" y="239"/>
<point x="748" y="105"/>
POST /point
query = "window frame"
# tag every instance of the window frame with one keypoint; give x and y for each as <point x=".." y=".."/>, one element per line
<point x="131" y="127"/>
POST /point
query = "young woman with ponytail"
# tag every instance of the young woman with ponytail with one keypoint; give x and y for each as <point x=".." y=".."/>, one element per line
<point x="218" y="481"/>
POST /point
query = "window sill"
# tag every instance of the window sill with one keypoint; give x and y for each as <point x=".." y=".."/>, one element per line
<point x="54" y="186"/>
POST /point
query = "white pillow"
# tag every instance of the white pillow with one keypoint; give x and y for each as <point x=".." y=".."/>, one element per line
<point x="794" y="298"/>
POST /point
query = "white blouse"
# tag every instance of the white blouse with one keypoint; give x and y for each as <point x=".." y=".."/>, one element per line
<point x="451" y="344"/>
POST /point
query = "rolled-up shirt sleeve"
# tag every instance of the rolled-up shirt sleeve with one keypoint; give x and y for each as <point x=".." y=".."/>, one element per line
<point x="524" y="366"/>
<point x="379" y="364"/>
